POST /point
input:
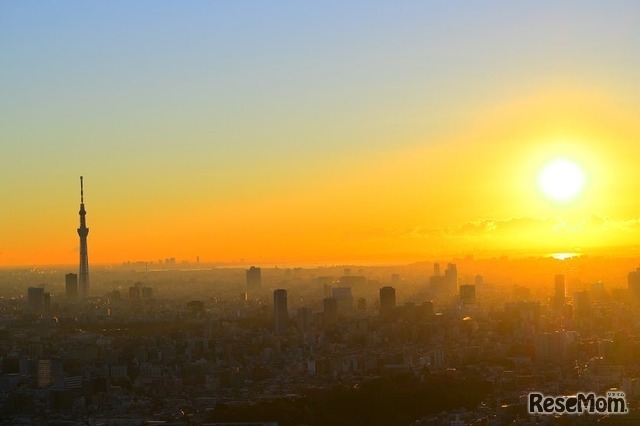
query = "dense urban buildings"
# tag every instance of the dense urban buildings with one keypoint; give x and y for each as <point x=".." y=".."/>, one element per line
<point x="165" y="342"/>
<point x="177" y="342"/>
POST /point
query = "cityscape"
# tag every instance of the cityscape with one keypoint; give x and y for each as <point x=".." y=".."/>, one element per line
<point x="172" y="342"/>
<point x="309" y="214"/>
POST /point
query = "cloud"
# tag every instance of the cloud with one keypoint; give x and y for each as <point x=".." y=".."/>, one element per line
<point x="515" y="233"/>
<point x="493" y="226"/>
<point x="474" y="228"/>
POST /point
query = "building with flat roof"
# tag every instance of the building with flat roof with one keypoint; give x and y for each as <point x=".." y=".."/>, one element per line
<point x="280" y="311"/>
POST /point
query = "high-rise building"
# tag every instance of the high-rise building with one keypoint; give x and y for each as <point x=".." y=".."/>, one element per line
<point x="344" y="300"/>
<point x="280" y="311"/>
<point x="581" y="304"/>
<point x="479" y="281"/>
<point x="436" y="284"/>
<point x="329" y="311"/>
<point x="71" y="286"/>
<point x="441" y="285"/>
<point x="134" y="293"/>
<point x="35" y="298"/>
<point x="451" y="279"/>
<point x="304" y="318"/>
<point x="254" y="277"/>
<point x="426" y="310"/>
<point x="83" y="231"/>
<point x="468" y="294"/>
<point x="559" y="292"/>
<point x="46" y="302"/>
<point x="43" y="373"/>
<point x="387" y="301"/>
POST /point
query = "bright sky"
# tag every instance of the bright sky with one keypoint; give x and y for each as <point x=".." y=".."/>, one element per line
<point x="315" y="131"/>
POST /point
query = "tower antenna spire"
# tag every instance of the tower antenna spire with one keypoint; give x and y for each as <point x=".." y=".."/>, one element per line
<point x="83" y="231"/>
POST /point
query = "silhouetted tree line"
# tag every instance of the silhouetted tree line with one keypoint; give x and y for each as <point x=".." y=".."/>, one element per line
<point x="396" y="400"/>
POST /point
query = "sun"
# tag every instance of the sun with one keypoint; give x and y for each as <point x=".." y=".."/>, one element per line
<point x="561" y="180"/>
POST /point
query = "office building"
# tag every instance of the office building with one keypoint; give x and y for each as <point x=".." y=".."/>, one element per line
<point x="46" y="302"/>
<point x="43" y="375"/>
<point x="304" y="319"/>
<point x="451" y="279"/>
<point x="581" y="304"/>
<point x="344" y="300"/>
<point x="254" y="277"/>
<point x="280" y="311"/>
<point x="35" y="299"/>
<point x="559" y="292"/>
<point x="468" y="294"/>
<point x="134" y="293"/>
<point x="387" y="301"/>
<point x="329" y="311"/>
<point x="71" y="286"/>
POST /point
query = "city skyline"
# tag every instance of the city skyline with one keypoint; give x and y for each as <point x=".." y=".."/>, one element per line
<point x="333" y="213"/>
<point x="356" y="133"/>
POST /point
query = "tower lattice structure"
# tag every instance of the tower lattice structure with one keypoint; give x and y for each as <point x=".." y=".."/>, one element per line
<point x="83" y="231"/>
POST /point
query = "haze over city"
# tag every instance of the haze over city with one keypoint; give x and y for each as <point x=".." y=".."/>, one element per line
<point x="290" y="213"/>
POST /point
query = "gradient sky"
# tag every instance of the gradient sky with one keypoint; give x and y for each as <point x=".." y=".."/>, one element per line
<point x="314" y="131"/>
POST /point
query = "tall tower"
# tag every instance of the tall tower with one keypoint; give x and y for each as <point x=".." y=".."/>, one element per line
<point x="83" y="231"/>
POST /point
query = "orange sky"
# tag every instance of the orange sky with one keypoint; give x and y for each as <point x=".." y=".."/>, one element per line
<point x="412" y="132"/>
<point x="473" y="192"/>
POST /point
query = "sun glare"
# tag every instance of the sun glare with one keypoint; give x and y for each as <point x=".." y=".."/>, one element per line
<point x="561" y="180"/>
